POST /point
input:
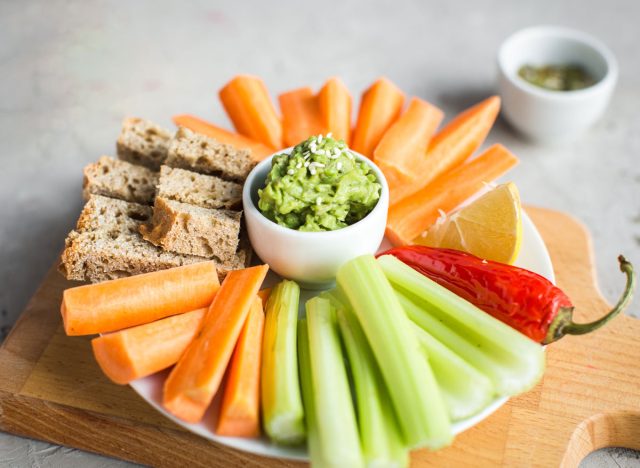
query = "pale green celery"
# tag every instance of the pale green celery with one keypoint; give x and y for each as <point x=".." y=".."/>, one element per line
<point x="382" y="443"/>
<point x="416" y="398"/>
<point x="466" y="391"/>
<point x="306" y="384"/>
<point x="282" y="410"/>
<point x="454" y="340"/>
<point x="339" y="443"/>
<point x="513" y="362"/>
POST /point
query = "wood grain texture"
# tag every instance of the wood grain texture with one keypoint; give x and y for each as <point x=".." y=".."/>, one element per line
<point x="51" y="389"/>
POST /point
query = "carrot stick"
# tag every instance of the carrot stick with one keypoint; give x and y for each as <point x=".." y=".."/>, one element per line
<point x="452" y="145"/>
<point x="403" y="146"/>
<point x="195" y="379"/>
<point x="335" y="109"/>
<point x="247" y="102"/>
<point x="127" y="302"/>
<point x="380" y="106"/>
<point x="416" y="213"/>
<point x="240" y="410"/>
<point x="300" y="116"/>
<point x="140" y="351"/>
<point x="258" y="150"/>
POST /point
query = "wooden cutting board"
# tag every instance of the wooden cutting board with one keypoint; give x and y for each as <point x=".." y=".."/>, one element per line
<point x="51" y="389"/>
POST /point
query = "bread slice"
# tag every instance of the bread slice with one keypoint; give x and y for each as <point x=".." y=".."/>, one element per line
<point x="193" y="230"/>
<point x="99" y="256"/>
<point x="199" y="153"/>
<point x="119" y="179"/>
<point x="143" y="142"/>
<point x="112" y="216"/>
<point x="107" y="245"/>
<point x="198" y="189"/>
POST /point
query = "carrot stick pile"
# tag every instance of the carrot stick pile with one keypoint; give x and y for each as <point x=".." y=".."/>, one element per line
<point x="411" y="151"/>
<point x="180" y="317"/>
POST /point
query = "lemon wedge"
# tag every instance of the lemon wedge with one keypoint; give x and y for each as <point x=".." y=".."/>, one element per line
<point x="489" y="227"/>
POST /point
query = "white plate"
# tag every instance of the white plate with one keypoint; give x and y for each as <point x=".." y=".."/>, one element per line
<point x="533" y="256"/>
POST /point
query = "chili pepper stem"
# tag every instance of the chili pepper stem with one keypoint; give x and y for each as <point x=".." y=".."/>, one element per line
<point x="563" y="322"/>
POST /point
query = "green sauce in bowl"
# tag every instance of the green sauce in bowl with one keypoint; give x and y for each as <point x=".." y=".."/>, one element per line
<point x="557" y="77"/>
<point x="320" y="186"/>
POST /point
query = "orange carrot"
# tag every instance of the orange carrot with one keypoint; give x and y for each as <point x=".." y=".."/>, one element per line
<point x="452" y="145"/>
<point x="380" y="106"/>
<point x="403" y="146"/>
<point x="127" y="302"/>
<point x="247" y="102"/>
<point x="300" y="116"/>
<point x="264" y="294"/>
<point x="140" y="351"/>
<point x="258" y="150"/>
<point x="240" y="410"/>
<point x="195" y="379"/>
<point x="416" y="213"/>
<point x="335" y="108"/>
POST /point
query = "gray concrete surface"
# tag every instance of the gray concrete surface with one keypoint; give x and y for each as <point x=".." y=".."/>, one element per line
<point x="71" y="70"/>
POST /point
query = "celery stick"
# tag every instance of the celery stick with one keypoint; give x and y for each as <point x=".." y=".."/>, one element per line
<point x="513" y="362"/>
<point x="416" y="398"/>
<point x="421" y="315"/>
<point x="282" y="410"/>
<point x="339" y="444"/>
<point x="465" y="390"/>
<point x="306" y="384"/>
<point x="379" y="432"/>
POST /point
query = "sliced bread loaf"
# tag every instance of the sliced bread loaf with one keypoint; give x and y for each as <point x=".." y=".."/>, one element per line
<point x="143" y="142"/>
<point x="196" y="152"/>
<point x="107" y="245"/>
<point x="193" y="230"/>
<point x="119" y="179"/>
<point x="198" y="189"/>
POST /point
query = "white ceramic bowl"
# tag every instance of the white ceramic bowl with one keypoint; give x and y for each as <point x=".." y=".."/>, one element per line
<point x="311" y="258"/>
<point x="546" y="115"/>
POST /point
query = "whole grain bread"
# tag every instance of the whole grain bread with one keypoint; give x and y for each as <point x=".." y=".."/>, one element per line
<point x="107" y="245"/>
<point x="99" y="256"/>
<point x="199" y="153"/>
<point x="198" y="189"/>
<point x="143" y="142"/>
<point x="111" y="215"/>
<point x="119" y="179"/>
<point x="193" y="230"/>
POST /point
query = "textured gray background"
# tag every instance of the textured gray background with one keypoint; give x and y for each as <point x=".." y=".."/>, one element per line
<point x="70" y="71"/>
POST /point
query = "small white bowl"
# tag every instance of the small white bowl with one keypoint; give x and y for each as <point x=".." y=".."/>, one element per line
<point x="311" y="258"/>
<point x="546" y="115"/>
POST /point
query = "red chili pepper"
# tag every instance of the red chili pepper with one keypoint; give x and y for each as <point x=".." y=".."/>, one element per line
<point x="520" y="298"/>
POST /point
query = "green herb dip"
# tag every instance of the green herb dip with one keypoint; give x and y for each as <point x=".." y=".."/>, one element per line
<point x="320" y="186"/>
<point x="557" y="77"/>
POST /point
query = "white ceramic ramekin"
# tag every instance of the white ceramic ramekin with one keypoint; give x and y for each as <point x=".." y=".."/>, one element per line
<point x="311" y="258"/>
<point x="546" y="115"/>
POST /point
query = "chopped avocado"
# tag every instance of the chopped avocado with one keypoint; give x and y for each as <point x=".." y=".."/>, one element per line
<point x="319" y="186"/>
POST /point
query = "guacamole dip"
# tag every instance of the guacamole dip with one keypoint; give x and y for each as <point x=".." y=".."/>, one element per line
<point x="320" y="186"/>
